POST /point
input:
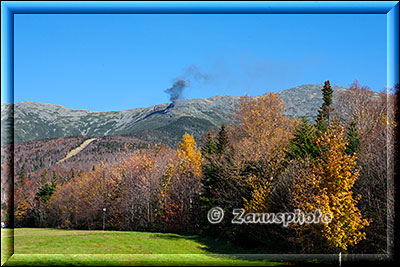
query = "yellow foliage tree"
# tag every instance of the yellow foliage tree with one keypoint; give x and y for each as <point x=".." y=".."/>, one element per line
<point x="259" y="197"/>
<point x="189" y="156"/>
<point x="259" y="139"/>
<point x="22" y="209"/>
<point x="328" y="187"/>
<point x="181" y="186"/>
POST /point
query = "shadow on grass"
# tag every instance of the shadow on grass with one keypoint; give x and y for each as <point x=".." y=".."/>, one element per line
<point x="220" y="248"/>
<point x="225" y="249"/>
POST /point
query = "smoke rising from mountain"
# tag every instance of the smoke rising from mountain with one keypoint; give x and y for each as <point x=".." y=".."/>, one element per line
<point x="175" y="92"/>
<point x="192" y="72"/>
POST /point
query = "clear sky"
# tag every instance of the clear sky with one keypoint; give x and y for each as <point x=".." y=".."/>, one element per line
<point x="118" y="62"/>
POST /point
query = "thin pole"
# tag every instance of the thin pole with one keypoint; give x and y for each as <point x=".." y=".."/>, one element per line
<point x="104" y="219"/>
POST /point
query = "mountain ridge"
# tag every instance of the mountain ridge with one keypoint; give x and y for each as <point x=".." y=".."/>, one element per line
<point x="158" y="123"/>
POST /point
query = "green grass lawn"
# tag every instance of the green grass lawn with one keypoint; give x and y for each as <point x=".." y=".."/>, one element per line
<point x="33" y="246"/>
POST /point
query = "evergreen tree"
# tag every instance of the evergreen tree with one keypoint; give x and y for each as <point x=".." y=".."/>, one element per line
<point x="45" y="191"/>
<point x="303" y="144"/>
<point x="353" y="141"/>
<point x="222" y="140"/>
<point x="217" y="173"/>
<point x="323" y="117"/>
<point x="209" y="178"/>
<point x="321" y="124"/>
<point x="209" y="146"/>
<point x="214" y="154"/>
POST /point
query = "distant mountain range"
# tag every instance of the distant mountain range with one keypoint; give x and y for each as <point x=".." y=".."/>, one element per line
<point x="160" y="123"/>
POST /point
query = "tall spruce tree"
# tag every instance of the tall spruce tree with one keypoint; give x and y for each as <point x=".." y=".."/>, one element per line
<point x="324" y="112"/>
<point x="212" y="153"/>
<point x="222" y="140"/>
<point x="353" y="141"/>
<point x="216" y="173"/>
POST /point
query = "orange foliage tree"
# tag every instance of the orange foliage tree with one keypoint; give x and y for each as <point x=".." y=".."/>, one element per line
<point x="259" y="139"/>
<point x="327" y="186"/>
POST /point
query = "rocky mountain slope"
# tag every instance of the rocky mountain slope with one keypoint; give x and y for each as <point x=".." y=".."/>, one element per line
<point x="160" y="123"/>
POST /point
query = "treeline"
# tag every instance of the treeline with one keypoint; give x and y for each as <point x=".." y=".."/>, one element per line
<point x="264" y="162"/>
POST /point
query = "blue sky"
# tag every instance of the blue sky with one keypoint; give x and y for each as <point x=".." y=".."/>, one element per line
<point x="118" y="62"/>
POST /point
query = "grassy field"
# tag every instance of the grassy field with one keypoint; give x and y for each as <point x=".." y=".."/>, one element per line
<point x="75" y="247"/>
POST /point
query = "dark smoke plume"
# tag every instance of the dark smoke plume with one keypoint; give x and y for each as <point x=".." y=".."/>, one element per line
<point x="175" y="92"/>
<point x="192" y="72"/>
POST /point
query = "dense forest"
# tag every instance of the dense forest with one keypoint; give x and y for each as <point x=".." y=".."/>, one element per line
<point x="265" y="161"/>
